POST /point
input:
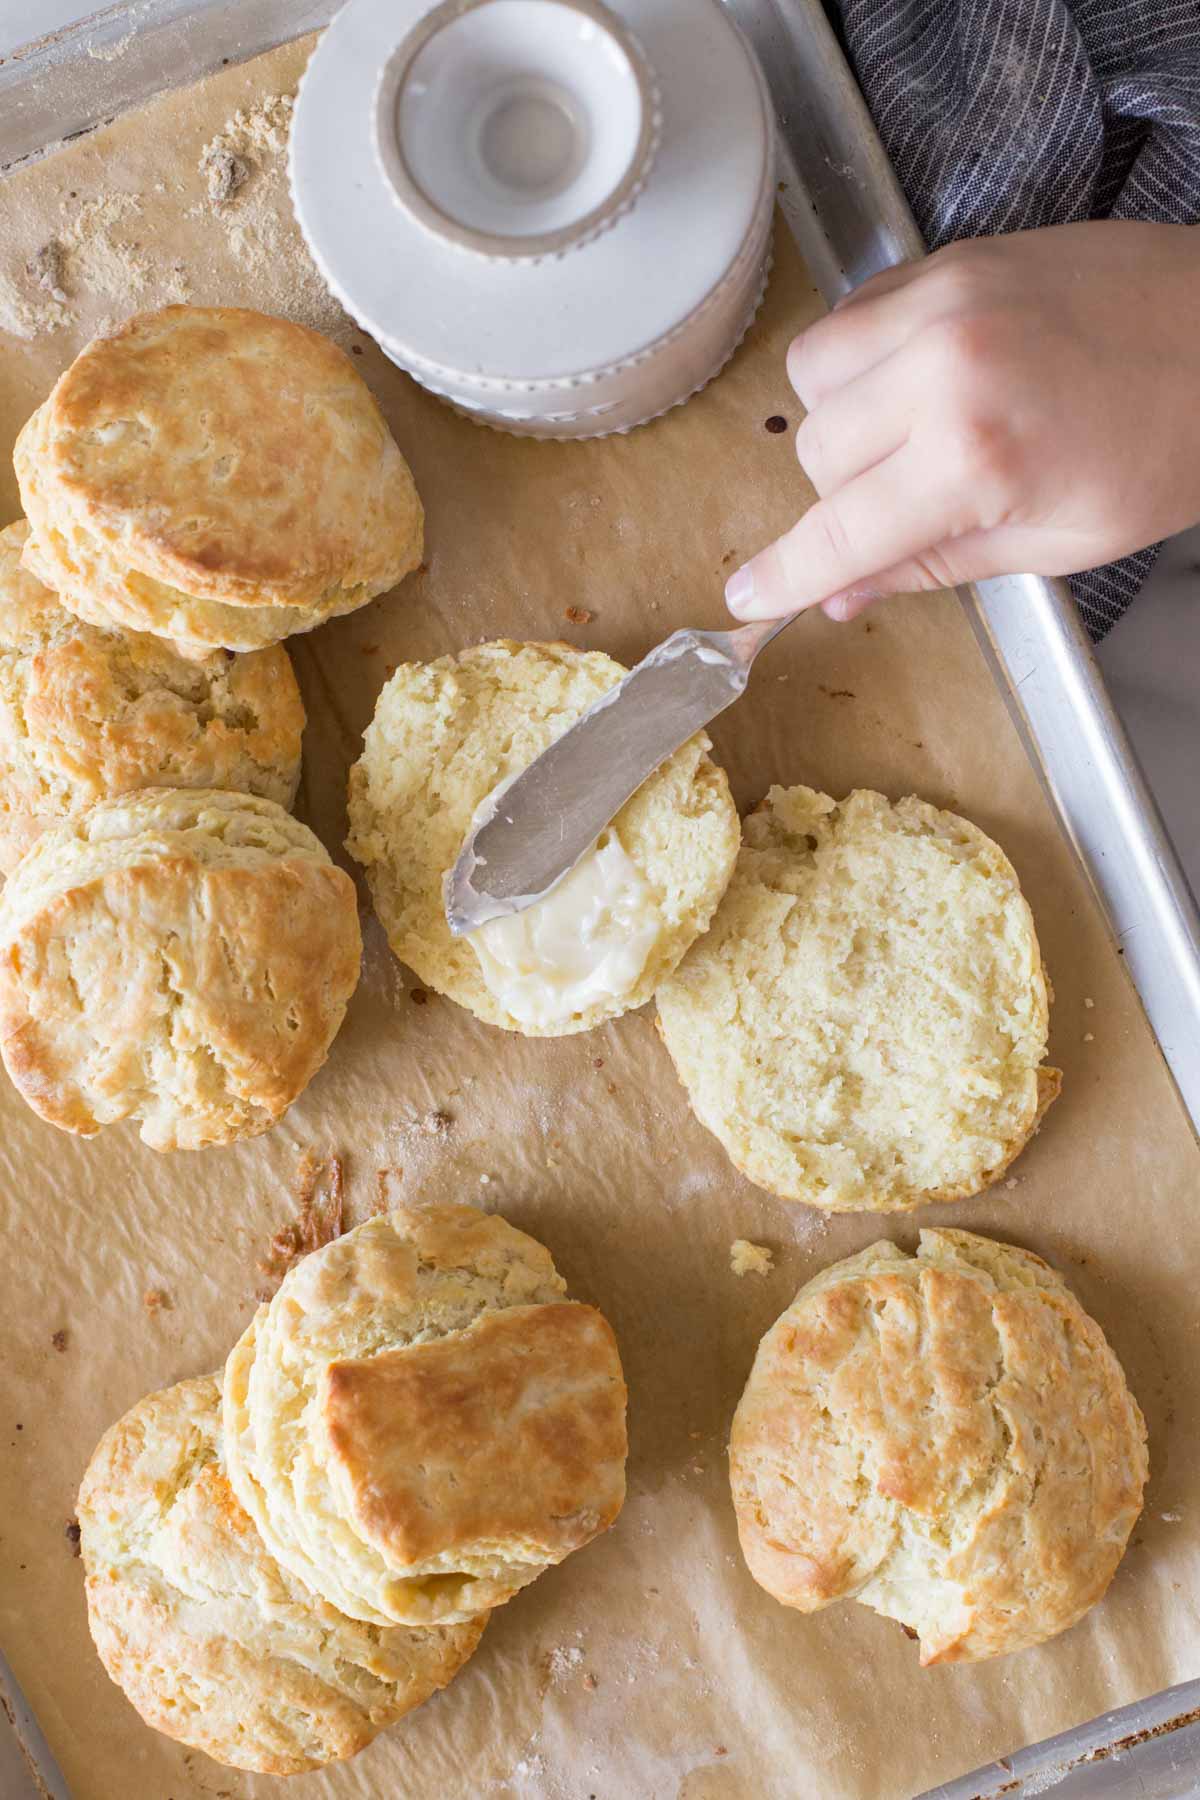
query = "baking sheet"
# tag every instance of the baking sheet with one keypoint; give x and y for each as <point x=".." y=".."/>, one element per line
<point x="704" y="1688"/>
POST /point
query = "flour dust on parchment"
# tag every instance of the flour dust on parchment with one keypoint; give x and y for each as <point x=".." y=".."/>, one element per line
<point x="95" y="252"/>
<point x="104" y="254"/>
<point x="244" y="171"/>
<point x="24" y="316"/>
<point x="243" y="174"/>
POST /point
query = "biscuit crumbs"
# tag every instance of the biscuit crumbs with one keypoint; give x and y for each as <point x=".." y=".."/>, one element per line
<point x="578" y="615"/>
<point x="224" y="172"/>
<point x="746" y="1258"/>
<point x="319" y="1189"/>
<point x="156" y="1300"/>
<point x="46" y="269"/>
<point x="383" y="1183"/>
<point x="59" y="1339"/>
<point x="559" y="1664"/>
<point x="72" y="1533"/>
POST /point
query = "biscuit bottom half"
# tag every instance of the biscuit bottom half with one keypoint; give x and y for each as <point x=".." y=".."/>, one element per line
<point x="864" y="1026"/>
<point x="444" y="736"/>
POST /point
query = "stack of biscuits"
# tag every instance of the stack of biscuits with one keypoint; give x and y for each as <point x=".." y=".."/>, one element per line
<point x="174" y="948"/>
<point x="284" y="1561"/>
<point x="216" y="477"/>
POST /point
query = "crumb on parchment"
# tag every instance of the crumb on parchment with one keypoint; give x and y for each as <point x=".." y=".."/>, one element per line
<point x="384" y="1178"/>
<point x="559" y="1664"/>
<point x="746" y="1258"/>
<point x="60" y="1339"/>
<point x="156" y="1300"/>
<point x="224" y="172"/>
<point x="319" y="1190"/>
<point x="436" y="1123"/>
<point x="46" y="269"/>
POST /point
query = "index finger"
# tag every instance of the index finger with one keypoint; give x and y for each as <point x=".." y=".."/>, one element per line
<point x="884" y="516"/>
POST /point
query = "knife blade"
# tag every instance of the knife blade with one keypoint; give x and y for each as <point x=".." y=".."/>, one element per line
<point x="28" y="1771"/>
<point x="533" y="828"/>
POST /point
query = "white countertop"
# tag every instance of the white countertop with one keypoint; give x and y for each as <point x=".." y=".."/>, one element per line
<point x="1151" y="660"/>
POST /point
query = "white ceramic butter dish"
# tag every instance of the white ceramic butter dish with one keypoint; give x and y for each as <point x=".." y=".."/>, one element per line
<point x="555" y="217"/>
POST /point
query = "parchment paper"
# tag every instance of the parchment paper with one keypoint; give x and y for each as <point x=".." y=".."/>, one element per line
<point x="704" y="1688"/>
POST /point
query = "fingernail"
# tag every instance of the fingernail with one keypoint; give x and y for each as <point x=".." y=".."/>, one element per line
<point x="739" y="590"/>
<point x="849" y="603"/>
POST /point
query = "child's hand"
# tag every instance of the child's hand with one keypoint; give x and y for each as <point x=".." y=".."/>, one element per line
<point x="1027" y="403"/>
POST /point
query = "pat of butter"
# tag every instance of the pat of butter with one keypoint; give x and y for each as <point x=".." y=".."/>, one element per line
<point x="585" y="943"/>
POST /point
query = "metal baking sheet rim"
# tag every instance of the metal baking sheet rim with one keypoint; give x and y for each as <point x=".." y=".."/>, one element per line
<point x="845" y="208"/>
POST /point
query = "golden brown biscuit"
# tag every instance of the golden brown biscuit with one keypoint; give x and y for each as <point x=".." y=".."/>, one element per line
<point x="211" y="1640"/>
<point x="864" y="1026"/>
<point x="946" y="1437"/>
<point x="217" y="477"/>
<point x="444" y="734"/>
<point x="183" y="957"/>
<point x="420" y="1423"/>
<point x="86" y="712"/>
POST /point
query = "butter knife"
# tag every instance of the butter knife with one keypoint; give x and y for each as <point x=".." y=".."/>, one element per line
<point x="533" y="828"/>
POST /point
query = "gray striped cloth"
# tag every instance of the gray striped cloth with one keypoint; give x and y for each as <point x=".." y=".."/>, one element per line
<point x="1004" y="114"/>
